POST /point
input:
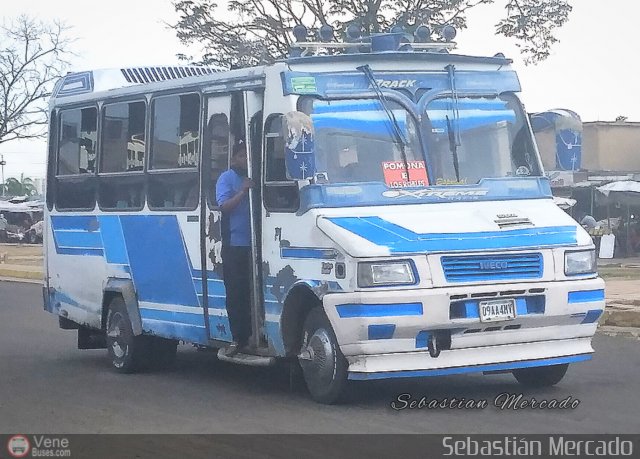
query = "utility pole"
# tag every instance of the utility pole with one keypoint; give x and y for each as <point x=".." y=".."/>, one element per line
<point x="2" y="163"/>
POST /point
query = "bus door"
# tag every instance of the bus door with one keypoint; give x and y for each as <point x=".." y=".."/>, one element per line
<point x="228" y="118"/>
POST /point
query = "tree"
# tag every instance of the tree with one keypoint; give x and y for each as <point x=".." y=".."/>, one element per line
<point x="22" y="187"/>
<point x="33" y="54"/>
<point x="261" y="34"/>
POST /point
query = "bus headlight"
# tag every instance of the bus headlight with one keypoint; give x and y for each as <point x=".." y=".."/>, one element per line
<point x="380" y="273"/>
<point x="582" y="262"/>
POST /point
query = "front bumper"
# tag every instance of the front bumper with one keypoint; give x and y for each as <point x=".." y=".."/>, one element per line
<point x="387" y="331"/>
<point x="478" y="359"/>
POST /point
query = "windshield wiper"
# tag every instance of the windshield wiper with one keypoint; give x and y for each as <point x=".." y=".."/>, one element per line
<point x="399" y="137"/>
<point x="452" y="128"/>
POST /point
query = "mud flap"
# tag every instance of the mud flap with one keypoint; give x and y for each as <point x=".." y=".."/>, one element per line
<point x="91" y="339"/>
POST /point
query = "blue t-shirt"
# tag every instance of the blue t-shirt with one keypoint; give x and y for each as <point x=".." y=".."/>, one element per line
<point x="239" y="227"/>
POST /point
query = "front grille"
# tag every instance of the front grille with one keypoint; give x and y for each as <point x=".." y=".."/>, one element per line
<point x="492" y="267"/>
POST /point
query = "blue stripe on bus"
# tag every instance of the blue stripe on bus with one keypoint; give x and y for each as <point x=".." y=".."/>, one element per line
<point x="381" y="331"/>
<point x="153" y="242"/>
<point x="379" y="310"/>
<point x="585" y="296"/>
<point x="196" y="318"/>
<point x="74" y="222"/>
<point x="307" y="252"/>
<point x="592" y="316"/>
<point x="83" y="252"/>
<point x="189" y="333"/>
<point x="114" y="243"/>
<point x="403" y="240"/>
<point x="214" y="287"/>
<point x="78" y="239"/>
<point x="470" y="369"/>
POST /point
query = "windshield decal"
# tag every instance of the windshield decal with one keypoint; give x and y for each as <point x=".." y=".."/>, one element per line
<point x="396" y="176"/>
<point x="304" y="84"/>
<point x="299" y="159"/>
<point x="396" y="84"/>
<point x="431" y="193"/>
<point x="445" y="182"/>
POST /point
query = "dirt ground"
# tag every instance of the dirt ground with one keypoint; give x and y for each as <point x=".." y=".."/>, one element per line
<point x="21" y="254"/>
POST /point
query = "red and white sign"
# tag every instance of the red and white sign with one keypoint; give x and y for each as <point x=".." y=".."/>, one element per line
<point x="18" y="446"/>
<point x="397" y="176"/>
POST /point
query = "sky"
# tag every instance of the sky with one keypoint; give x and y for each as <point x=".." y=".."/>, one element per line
<point x="593" y="70"/>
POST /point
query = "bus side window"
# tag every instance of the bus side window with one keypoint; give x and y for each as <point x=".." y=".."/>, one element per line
<point x="219" y="149"/>
<point x="173" y="169"/>
<point x="76" y="161"/>
<point x="122" y="155"/>
<point x="280" y="194"/>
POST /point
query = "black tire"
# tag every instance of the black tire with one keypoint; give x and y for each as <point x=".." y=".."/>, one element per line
<point x="325" y="368"/>
<point x="541" y="376"/>
<point x="128" y="353"/>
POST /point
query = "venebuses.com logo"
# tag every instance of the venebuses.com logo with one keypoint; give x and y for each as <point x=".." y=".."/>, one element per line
<point x="38" y="446"/>
<point x="18" y="446"/>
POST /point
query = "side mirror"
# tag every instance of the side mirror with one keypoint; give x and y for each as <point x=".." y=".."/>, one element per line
<point x="299" y="146"/>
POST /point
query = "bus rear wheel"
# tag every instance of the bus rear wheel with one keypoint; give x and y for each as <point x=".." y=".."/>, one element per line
<point x="323" y="365"/>
<point x="128" y="352"/>
<point x="541" y="376"/>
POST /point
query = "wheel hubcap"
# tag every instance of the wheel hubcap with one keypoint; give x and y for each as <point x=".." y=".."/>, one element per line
<point x="319" y="357"/>
<point x="115" y="334"/>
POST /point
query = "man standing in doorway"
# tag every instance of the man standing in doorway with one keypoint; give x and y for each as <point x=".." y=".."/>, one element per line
<point x="232" y="195"/>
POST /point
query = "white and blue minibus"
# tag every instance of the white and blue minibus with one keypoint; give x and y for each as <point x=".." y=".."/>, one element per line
<point x="402" y="225"/>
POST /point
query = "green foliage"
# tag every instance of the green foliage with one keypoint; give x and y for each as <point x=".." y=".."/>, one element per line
<point x="532" y="23"/>
<point x="22" y="187"/>
<point x="261" y="30"/>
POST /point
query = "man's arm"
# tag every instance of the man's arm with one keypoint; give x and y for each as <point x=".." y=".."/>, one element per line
<point x="227" y="199"/>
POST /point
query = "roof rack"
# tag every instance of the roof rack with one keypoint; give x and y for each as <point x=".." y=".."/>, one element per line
<point x="308" y="47"/>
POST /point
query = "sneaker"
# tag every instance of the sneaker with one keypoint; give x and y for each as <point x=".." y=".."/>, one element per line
<point x="231" y="350"/>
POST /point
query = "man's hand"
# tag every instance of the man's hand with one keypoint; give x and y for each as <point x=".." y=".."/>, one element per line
<point x="247" y="183"/>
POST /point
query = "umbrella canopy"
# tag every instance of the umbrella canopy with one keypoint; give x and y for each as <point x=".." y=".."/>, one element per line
<point x="564" y="203"/>
<point x="624" y="192"/>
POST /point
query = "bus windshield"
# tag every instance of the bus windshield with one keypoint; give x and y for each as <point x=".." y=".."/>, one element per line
<point x="354" y="141"/>
<point x="471" y="138"/>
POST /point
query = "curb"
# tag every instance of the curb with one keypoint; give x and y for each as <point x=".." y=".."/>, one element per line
<point x="627" y="332"/>
<point x="20" y="274"/>
<point x="620" y="317"/>
<point x="21" y="280"/>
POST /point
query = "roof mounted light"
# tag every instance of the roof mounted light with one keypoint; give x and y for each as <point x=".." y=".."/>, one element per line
<point x="326" y="33"/>
<point x="423" y="34"/>
<point x="300" y="32"/>
<point x="397" y="29"/>
<point x="353" y="32"/>
<point x="449" y="33"/>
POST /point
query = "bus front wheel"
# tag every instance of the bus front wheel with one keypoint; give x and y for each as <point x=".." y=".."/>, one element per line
<point x="541" y="376"/>
<point x="323" y="365"/>
<point x="127" y="351"/>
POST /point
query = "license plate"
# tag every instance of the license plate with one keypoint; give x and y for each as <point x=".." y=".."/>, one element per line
<point x="497" y="310"/>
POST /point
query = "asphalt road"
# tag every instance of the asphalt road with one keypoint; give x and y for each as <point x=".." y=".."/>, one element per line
<point x="47" y="385"/>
